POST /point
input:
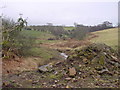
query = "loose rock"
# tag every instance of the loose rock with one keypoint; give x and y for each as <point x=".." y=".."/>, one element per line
<point x="45" y="68"/>
<point x="72" y="71"/>
<point x="68" y="79"/>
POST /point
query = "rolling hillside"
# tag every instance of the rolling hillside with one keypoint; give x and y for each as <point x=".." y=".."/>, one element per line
<point x="109" y="37"/>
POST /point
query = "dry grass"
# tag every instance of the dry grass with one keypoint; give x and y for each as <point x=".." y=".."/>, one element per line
<point x="109" y="37"/>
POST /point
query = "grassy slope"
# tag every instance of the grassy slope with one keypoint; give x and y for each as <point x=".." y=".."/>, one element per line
<point x="109" y="37"/>
<point x="37" y="34"/>
<point x="42" y="36"/>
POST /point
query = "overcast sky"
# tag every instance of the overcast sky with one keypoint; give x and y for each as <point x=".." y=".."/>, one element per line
<point x="62" y="12"/>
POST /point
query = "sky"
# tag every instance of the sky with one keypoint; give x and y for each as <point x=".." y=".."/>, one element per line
<point x="61" y="12"/>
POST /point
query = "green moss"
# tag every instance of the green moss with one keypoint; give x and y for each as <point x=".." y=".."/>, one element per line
<point x="72" y="56"/>
<point x="53" y="76"/>
<point x="101" y="60"/>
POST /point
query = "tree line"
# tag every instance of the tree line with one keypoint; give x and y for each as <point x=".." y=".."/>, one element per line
<point x="79" y="32"/>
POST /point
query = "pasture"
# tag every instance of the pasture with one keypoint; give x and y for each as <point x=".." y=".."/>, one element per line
<point x="109" y="37"/>
<point x="69" y="28"/>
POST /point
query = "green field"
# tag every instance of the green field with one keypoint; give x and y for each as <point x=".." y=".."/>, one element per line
<point x="40" y="37"/>
<point x="69" y="28"/>
<point x="37" y="50"/>
<point x="109" y="37"/>
<point x="37" y="34"/>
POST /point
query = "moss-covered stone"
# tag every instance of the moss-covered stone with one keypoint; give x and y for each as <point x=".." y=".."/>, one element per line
<point x="97" y="56"/>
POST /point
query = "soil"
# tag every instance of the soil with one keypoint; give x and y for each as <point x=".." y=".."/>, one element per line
<point x="16" y="66"/>
<point x="23" y="73"/>
<point x="69" y="44"/>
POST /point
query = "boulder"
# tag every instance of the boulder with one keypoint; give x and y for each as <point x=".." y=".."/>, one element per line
<point x="45" y="68"/>
<point x="51" y="38"/>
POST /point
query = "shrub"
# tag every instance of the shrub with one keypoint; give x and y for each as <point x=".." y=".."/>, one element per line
<point x="79" y="33"/>
<point x="13" y="41"/>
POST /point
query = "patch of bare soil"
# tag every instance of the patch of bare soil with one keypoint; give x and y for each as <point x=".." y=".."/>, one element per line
<point x="67" y="44"/>
<point x="16" y="66"/>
